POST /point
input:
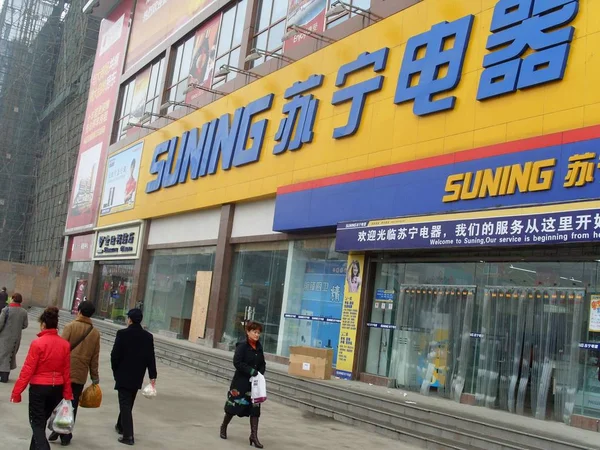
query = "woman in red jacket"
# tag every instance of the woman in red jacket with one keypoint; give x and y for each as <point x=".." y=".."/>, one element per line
<point x="47" y="370"/>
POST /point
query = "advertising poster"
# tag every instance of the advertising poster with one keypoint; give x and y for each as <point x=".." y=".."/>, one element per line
<point x="307" y="14"/>
<point x="140" y="91"/>
<point x="350" y="310"/>
<point x="120" y="185"/>
<point x="203" y="61"/>
<point x="79" y="295"/>
<point x="155" y="21"/>
<point x="322" y="299"/>
<point x="99" y="117"/>
<point x="85" y="182"/>
<point x="595" y="313"/>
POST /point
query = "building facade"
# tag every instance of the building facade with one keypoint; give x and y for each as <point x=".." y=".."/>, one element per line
<point x="412" y="185"/>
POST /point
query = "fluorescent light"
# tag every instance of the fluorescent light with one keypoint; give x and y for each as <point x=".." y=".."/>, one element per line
<point x="147" y="117"/>
<point x="335" y="10"/>
<point x="289" y="34"/>
<point x="521" y="269"/>
<point x="223" y="72"/>
<point x="254" y="56"/>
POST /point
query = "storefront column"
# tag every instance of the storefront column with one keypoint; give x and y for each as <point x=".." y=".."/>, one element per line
<point x="140" y="271"/>
<point x="63" y="272"/>
<point x="220" y="282"/>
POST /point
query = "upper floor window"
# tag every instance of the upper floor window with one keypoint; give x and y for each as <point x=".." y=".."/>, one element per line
<point x="181" y="62"/>
<point x="336" y="20"/>
<point x="230" y="39"/>
<point x="139" y="97"/>
<point x="269" y="27"/>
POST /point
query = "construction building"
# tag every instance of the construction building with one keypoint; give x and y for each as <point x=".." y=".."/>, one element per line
<point x="47" y="52"/>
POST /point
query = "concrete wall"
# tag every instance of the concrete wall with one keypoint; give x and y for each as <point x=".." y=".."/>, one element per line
<point x="37" y="286"/>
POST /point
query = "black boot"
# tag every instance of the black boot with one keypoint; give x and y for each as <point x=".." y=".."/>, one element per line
<point x="4" y="377"/>
<point x="254" y="433"/>
<point x="226" y="419"/>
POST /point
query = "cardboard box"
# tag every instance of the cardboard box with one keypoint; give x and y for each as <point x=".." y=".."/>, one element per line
<point x="311" y="362"/>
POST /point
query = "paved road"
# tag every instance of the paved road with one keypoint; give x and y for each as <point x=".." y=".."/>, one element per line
<point x="186" y="414"/>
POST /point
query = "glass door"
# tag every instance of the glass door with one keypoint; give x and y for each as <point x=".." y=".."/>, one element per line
<point x="431" y="345"/>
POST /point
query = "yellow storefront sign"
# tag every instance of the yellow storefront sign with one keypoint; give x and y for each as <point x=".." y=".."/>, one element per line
<point x="390" y="128"/>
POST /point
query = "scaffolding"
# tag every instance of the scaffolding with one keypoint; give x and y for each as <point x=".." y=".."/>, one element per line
<point x="47" y="50"/>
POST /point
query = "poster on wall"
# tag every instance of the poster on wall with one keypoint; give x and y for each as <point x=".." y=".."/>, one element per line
<point x="594" y="313"/>
<point x="99" y="117"/>
<point x="120" y="185"/>
<point x="204" y="55"/>
<point x="350" y="310"/>
<point x="79" y="295"/>
<point x="306" y="14"/>
<point x="155" y="21"/>
<point x="85" y="183"/>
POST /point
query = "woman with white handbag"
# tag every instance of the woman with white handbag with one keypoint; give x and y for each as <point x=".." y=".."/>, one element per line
<point x="249" y="362"/>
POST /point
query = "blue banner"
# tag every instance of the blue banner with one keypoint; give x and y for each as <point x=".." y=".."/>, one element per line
<point x="576" y="223"/>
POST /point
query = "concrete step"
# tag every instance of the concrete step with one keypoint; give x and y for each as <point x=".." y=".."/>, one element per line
<point x="425" y="427"/>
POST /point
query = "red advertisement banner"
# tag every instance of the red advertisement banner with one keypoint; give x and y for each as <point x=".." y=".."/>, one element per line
<point x="306" y="14"/>
<point x="203" y="61"/>
<point x="99" y="117"/>
<point x="155" y="21"/>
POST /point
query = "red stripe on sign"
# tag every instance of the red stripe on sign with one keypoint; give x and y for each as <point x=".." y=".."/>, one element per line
<point x="522" y="145"/>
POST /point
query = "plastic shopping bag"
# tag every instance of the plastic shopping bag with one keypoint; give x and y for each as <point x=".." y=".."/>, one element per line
<point x="149" y="391"/>
<point x="259" y="388"/>
<point x="91" y="397"/>
<point x="62" y="420"/>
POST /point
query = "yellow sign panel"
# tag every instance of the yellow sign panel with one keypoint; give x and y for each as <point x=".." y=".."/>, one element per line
<point x="389" y="131"/>
<point x="350" y="310"/>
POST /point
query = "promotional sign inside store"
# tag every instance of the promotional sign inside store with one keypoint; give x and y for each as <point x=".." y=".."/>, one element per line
<point x="280" y="117"/>
<point x="101" y="107"/>
<point x="118" y="243"/>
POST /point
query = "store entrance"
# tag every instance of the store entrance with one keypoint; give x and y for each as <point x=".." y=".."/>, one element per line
<point x="527" y="344"/>
<point x="114" y="292"/>
<point x="497" y="335"/>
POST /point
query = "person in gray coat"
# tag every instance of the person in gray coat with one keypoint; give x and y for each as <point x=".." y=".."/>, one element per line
<point x="13" y="320"/>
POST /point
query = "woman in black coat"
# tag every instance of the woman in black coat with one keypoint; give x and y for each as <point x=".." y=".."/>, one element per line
<point x="247" y="360"/>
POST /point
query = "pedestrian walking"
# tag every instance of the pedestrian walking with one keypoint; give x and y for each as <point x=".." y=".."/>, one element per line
<point x="13" y="320"/>
<point x="47" y="370"/>
<point x="84" y="341"/>
<point x="248" y="360"/>
<point x="4" y="300"/>
<point x="131" y="356"/>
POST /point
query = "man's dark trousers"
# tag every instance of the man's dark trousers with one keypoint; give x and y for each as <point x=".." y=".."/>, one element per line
<point x="125" y="420"/>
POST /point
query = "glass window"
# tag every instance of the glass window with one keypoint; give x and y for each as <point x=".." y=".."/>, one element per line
<point x="76" y="286"/>
<point x="153" y="99"/>
<point x="113" y="297"/>
<point x="336" y="20"/>
<point x="315" y="288"/>
<point x="169" y="299"/>
<point x="256" y="292"/>
<point x="177" y="83"/>
<point x="270" y="28"/>
<point x="508" y="335"/>
<point x="138" y="96"/>
<point x="126" y="99"/>
<point x="230" y="39"/>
